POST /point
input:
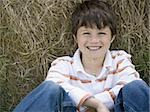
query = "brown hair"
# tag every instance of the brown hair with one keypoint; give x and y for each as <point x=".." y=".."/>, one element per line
<point x="93" y="12"/>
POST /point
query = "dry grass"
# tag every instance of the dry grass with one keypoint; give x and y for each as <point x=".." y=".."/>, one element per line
<point x="35" y="32"/>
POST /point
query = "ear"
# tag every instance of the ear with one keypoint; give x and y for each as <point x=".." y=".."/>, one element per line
<point x="113" y="38"/>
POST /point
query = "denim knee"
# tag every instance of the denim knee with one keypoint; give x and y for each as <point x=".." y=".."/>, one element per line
<point x="136" y="96"/>
<point x="57" y="91"/>
<point x="53" y="87"/>
<point x="47" y="97"/>
<point x="136" y="88"/>
<point x="136" y="85"/>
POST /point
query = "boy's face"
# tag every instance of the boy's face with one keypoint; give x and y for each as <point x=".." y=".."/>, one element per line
<point x="93" y="42"/>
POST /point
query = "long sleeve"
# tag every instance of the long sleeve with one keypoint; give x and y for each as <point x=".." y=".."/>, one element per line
<point x="122" y="73"/>
<point x="60" y="73"/>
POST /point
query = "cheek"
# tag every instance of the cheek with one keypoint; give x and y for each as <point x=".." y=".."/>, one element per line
<point x="107" y="40"/>
<point x="81" y="41"/>
<point x="107" y="43"/>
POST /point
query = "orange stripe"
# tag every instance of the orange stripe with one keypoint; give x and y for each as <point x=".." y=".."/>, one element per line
<point x="100" y="80"/>
<point x="71" y="77"/>
<point x="67" y="76"/>
<point x="120" y="70"/>
<point x="113" y="96"/>
<point x="122" y="83"/>
<point x="74" y="78"/>
<point x="107" y="89"/>
<point x="119" y="62"/>
<point x="86" y="81"/>
<point x="82" y="100"/>
<point x="77" y="79"/>
<point x="112" y="72"/>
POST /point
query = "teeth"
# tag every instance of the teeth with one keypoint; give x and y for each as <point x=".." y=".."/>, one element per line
<point x="94" y="48"/>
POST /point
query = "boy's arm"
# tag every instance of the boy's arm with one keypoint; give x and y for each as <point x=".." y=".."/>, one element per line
<point x="123" y="74"/>
<point x="95" y="105"/>
<point x="60" y="74"/>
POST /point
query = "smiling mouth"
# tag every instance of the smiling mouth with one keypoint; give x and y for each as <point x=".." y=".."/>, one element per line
<point x="93" y="48"/>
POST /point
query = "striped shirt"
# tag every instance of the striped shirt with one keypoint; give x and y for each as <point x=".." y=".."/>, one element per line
<point x="117" y="71"/>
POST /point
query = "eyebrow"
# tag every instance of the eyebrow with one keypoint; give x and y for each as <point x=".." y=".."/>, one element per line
<point x="84" y="30"/>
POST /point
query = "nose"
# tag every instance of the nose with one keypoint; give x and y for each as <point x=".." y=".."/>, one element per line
<point x="94" y="39"/>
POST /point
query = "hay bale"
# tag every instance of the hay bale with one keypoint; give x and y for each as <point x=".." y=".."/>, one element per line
<point x="35" y="32"/>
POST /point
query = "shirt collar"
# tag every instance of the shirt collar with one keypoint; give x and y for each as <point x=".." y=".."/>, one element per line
<point x="108" y="60"/>
<point x="77" y="64"/>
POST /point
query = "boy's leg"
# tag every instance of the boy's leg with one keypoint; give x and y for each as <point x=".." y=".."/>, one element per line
<point x="47" y="97"/>
<point x="133" y="97"/>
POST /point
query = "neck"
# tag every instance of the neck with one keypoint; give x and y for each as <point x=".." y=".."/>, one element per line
<point x="93" y="66"/>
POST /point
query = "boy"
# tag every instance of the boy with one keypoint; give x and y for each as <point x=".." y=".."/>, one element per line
<point x="94" y="77"/>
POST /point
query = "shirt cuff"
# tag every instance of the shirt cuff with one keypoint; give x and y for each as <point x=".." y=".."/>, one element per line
<point x="106" y="99"/>
<point x="79" y="96"/>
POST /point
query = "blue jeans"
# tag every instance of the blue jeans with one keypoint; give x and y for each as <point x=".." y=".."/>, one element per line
<point x="133" y="97"/>
<point x="47" y="97"/>
<point x="50" y="97"/>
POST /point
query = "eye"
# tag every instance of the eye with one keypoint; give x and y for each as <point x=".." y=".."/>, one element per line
<point x="101" y="33"/>
<point x="86" y="33"/>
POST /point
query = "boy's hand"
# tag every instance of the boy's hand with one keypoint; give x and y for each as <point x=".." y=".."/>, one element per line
<point x="90" y="110"/>
<point x="95" y="105"/>
<point x="102" y="109"/>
